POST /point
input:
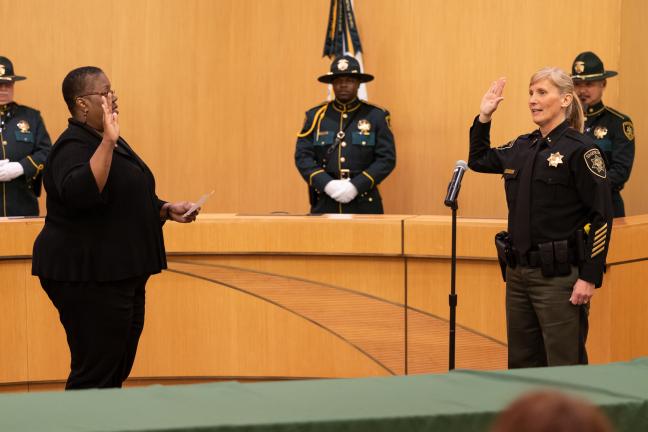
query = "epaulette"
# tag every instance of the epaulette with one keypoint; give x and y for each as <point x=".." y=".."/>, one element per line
<point x="374" y="105"/>
<point x="577" y="136"/>
<point x="319" y="111"/>
<point x="618" y="114"/>
<point x="508" y="145"/>
<point x="318" y="106"/>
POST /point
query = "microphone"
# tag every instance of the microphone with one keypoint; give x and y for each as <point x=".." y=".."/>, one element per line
<point x="455" y="184"/>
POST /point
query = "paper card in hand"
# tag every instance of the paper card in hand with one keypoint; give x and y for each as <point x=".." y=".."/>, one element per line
<point x="201" y="201"/>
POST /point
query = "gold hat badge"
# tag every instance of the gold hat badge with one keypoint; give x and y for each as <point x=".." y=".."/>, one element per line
<point x="343" y="64"/>
<point x="579" y="67"/>
<point x="2" y="70"/>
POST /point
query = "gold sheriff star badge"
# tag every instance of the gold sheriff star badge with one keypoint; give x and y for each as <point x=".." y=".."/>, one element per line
<point x="555" y="159"/>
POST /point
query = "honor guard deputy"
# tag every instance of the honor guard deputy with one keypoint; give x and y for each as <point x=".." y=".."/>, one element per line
<point x="25" y="146"/>
<point x="611" y="130"/>
<point x="346" y="147"/>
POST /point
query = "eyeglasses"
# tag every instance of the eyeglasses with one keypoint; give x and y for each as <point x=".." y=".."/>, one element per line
<point x="104" y="94"/>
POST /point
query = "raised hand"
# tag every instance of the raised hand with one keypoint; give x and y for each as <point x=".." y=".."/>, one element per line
<point x="491" y="100"/>
<point x="110" y="119"/>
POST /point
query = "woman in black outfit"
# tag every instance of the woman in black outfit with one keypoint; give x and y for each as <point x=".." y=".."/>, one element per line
<point x="102" y="237"/>
<point x="560" y="219"/>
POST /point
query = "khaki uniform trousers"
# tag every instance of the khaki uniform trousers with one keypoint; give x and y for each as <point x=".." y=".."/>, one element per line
<point x="543" y="327"/>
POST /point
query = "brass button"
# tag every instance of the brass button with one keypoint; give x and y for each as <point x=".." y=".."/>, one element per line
<point x="364" y="142"/>
<point x="370" y="199"/>
<point x="4" y="142"/>
<point x="590" y="110"/>
<point x="343" y="144"/>
<point x="342" y="159"/>
<point x="345" y="115"/>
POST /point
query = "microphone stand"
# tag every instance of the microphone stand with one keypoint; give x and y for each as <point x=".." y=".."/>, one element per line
<point x="452" y="298"/>
<point x="451" y="199"/>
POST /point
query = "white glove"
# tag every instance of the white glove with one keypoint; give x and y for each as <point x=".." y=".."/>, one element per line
<point x="10" y="170"/>
<point x="348" y="194"/>
<point x="335" y="188"/>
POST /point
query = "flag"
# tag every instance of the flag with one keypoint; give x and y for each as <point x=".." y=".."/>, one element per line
<point x="342" y="37"/>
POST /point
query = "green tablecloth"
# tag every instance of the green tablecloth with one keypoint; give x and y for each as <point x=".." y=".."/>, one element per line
<point x="459" y="401"/>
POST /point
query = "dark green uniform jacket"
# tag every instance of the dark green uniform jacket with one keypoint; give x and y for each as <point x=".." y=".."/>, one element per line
<point x="26" y="141"/>
<point x="569" y="188"/>
<point x="364" y="153"/>
<point x="613" y="133"/>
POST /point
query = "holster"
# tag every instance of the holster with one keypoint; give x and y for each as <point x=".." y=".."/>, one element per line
<point x="505" y="254"/>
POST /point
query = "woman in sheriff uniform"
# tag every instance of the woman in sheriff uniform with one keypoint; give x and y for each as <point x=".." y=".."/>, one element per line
<point x="560" y="218"/>
<point x="25" y="146"/>
<point x="346" y="147"/>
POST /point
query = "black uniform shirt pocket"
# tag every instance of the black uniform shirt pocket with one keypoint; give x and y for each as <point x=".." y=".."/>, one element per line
<point x="324" y="139"/>
<point x="511" y="181"/>
<point x="604" y="144"/>
<point x="553" y="184"/>
<point x="358" y="138"/>
<point x="27" y="137"/>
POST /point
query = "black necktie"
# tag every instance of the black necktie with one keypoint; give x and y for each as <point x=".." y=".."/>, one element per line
<point x="521" y="230"/>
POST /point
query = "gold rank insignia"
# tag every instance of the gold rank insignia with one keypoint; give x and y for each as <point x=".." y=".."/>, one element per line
<point x="343" y="64"/>
<point x="364" y="126"/>
<point x="595" y="162"/>
<point x="2" y="70"/>
<point x="600" y="132"/>
<point x="555" y="159"/>
<point x="579" y="67"/>
<point x="23" y="125"/>
<point x="628" y="130"/>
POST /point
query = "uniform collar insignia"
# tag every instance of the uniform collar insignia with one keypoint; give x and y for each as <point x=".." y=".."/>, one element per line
<point x="555" y="159"/>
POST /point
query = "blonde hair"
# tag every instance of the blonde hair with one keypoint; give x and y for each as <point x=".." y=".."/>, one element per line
<point x="565" y="85"/>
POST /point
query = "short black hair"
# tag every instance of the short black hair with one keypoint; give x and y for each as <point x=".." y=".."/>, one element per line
<point x="75" y="81"/>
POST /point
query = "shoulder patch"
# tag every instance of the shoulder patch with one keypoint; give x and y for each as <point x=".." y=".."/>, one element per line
<point x="595" y="162"/>
<point x="628" y="130"/>
<point x="508" y="145"/>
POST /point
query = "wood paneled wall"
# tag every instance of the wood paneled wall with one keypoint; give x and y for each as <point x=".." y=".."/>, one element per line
<point x="633" y="72"/>
<point x="212" y="92"/>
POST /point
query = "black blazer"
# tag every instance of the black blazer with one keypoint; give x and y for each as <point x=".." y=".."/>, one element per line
<point x="93" y="236"/>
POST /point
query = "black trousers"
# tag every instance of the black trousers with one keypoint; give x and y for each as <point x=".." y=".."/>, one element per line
<point x="543" y="327"/>
<point x="103" y="322"/>
<point x="617" y="204"/>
